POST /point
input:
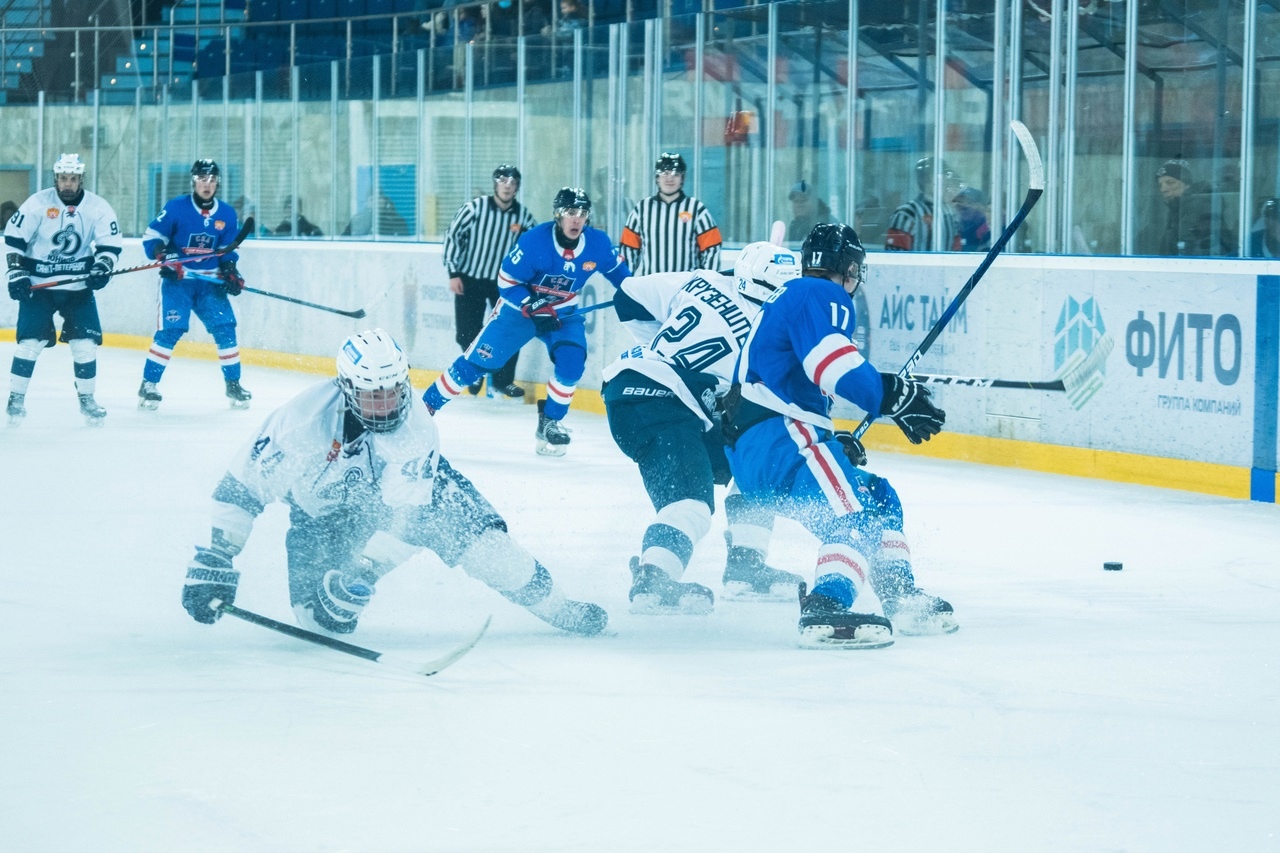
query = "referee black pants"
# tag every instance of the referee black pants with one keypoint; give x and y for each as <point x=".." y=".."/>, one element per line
<point x="470" y="308"/>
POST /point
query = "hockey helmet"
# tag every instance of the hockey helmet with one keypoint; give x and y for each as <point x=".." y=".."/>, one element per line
<point x="571" y="198"/>
<point x="924" y="175"/>
<point x="68" y="164"/>
<point x="761" y="268"/>
<point x="205" y="168"/>
<point x="373" y="374"/>
<point x="835" y="248"/>
<point x="669" y="162"/>
<point x="506" y="170"/>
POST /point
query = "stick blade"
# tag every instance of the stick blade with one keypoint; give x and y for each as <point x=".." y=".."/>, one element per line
<point x="432" y="667"/>
<point x="778" y="232"/>
<point x="1035" y="166"/>
<point x="358" y="314"/>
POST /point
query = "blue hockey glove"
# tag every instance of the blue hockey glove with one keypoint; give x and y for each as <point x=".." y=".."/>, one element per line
<point x="542" y="311"/>
<point x="852" y="448"/>
<point x="210" y="577"/>
<point x="100" y="272"/>
<point x="907" y="403"/>
<point x="232" y="282"/>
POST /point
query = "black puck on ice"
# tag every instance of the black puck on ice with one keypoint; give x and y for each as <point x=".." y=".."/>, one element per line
<point x="1113" y="567"/>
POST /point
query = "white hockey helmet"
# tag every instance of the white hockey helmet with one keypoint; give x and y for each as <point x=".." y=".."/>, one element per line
<point x="373" y="374"/>
<point x="69" y="164"/>
<point x="761" y="268"/>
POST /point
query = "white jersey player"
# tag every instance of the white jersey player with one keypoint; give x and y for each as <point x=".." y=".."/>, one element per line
<point x="357" y="459"/>
<point x="662" y="398"/>
<point x="61" y="232"/>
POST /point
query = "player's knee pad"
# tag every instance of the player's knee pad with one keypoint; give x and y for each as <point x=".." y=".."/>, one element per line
<point x="570" y="361"/>
<point x="168" y="338"/>
<point x="29" y="349"/>
<point x="499" y="562"/>
<point x="224" y="336"/>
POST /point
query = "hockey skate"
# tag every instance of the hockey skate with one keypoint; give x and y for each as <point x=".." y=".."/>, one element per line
<point x="747" y="578"/>
<point x="513" y="391"/>
<point x="16" y="410"/>
<point x="148" y="397"/>
<point x="238" y="396"/>
<point x="578" y="617"/>
<point x="827" y="624"/>
<point x="93" y="413"/>
<point x="653" y="593"/>
<point x="553" y="438"/>
<point x="916" y="613"/>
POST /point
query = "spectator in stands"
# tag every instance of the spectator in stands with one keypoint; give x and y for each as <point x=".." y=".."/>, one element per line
<point x="573" y="16"/>
<point x="807" y="210"/>
<point x="973" y="213"/>
<point x="306" y="228"/>
<point x="1188" y="227"/>
<point x="1264" y="239"/>
<point x="8" y="209"/>
<point x="390" y="222"/>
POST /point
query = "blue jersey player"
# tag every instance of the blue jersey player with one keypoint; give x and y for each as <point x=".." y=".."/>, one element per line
<point x="539" y="285"/>
<point x="785" y="456"/>
<point x="195" y="224"/>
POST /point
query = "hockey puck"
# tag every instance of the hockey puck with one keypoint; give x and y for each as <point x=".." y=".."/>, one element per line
<point x="1113" y="567"/>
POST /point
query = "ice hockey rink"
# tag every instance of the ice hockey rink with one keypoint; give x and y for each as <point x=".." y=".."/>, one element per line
<point x="1075" y="710"/>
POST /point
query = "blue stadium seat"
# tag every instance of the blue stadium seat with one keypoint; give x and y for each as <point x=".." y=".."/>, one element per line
<point x="321" y="9"/>
<point x="350" y="8"/>
<point x="293" y="10"/>
<point x="264" y="10"/>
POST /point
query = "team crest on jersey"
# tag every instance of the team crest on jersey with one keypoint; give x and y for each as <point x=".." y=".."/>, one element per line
<point x="218" y="225"/>
<point x="588" y="266"/>
<point x="172" y="317"/>
<point x="199" y="244"/>
<point x="52" y="213"/>
<point x="558" y="282"/>
<point x="686" y="216"/>
<point x="484" y="351"/>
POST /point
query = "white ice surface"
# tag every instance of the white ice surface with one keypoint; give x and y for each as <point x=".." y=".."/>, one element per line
<point x="1075" y="710"/>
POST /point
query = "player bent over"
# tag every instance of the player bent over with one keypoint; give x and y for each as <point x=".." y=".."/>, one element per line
<point x="358" y="461"/>
<point x="193" y="225"/>
<point x="539" y="282"/>
<point x="60" y="232"/>
<point x="786" y="457"/>
<point x="662" y="398"/>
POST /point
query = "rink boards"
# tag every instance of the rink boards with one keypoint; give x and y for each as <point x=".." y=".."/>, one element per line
<point x="1181" y="389"/>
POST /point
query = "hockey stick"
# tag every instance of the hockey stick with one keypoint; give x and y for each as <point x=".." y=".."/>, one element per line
<point x="357" y="313"/>
<point x="980" y="382"/>
<point x="1034" y="190"/>
<point x="430" y="667"/>
<point x="245" y="231"/>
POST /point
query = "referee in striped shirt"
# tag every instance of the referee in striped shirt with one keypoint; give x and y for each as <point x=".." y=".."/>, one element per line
<point x="670" y="231"/>
<point x="482" y="232"/>
<point x="911" y="225"/>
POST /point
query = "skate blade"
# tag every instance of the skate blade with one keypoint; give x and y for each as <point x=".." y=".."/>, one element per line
<point x="938" y="623"/>
<point x="16" y="420"/>
<point x="690" y="605"/>
<point x="94" y="422"/>
<point x="148" y="405"/>
<point x="864" y="637"/>
<point x="239" y="404"/>
<point x="546" y="449"/>
<point x="745" y="593"/>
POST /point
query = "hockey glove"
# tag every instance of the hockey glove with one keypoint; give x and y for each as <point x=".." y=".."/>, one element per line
<point x="210" y="577"/>
<point x="852" y="448"/>
<point x="232" y="282"/>
<point x="542" y="311"/>
<point x="100" y="272"/>
<point x="172" y="272"/>
<point x="907" y="403"/>
<point x="19" y="285"/>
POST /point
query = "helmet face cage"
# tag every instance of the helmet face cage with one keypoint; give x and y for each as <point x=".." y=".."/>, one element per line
<point x="761" y="268"/>
<point x="373" y="374"/>
<point x="570" y="199"/>
<point x="835" y="249"/>
<point x="668" y="162"/>
<point x="506" y="170"/>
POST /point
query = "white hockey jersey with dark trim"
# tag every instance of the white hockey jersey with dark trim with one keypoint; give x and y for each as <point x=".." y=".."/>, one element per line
<point x="58" y="241"/>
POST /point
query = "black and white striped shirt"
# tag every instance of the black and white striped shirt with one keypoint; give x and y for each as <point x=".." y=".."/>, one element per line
<point x="675" y="236"/>
<point x="911" y="228"/>
<point x="480" y="236"/>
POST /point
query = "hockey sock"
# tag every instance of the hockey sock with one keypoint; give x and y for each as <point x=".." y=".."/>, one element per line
<point x="451" y="384"/>
<point x="839" y="560"/>
<point x="891" y="573"/>
<point x="224" y="337"/>
<point x="84" y="357"/>
<point x="559" y="396"/>
<point x="24" y="364"/>
<point x="159" y="354"/>
<point x="668" y="542"/>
